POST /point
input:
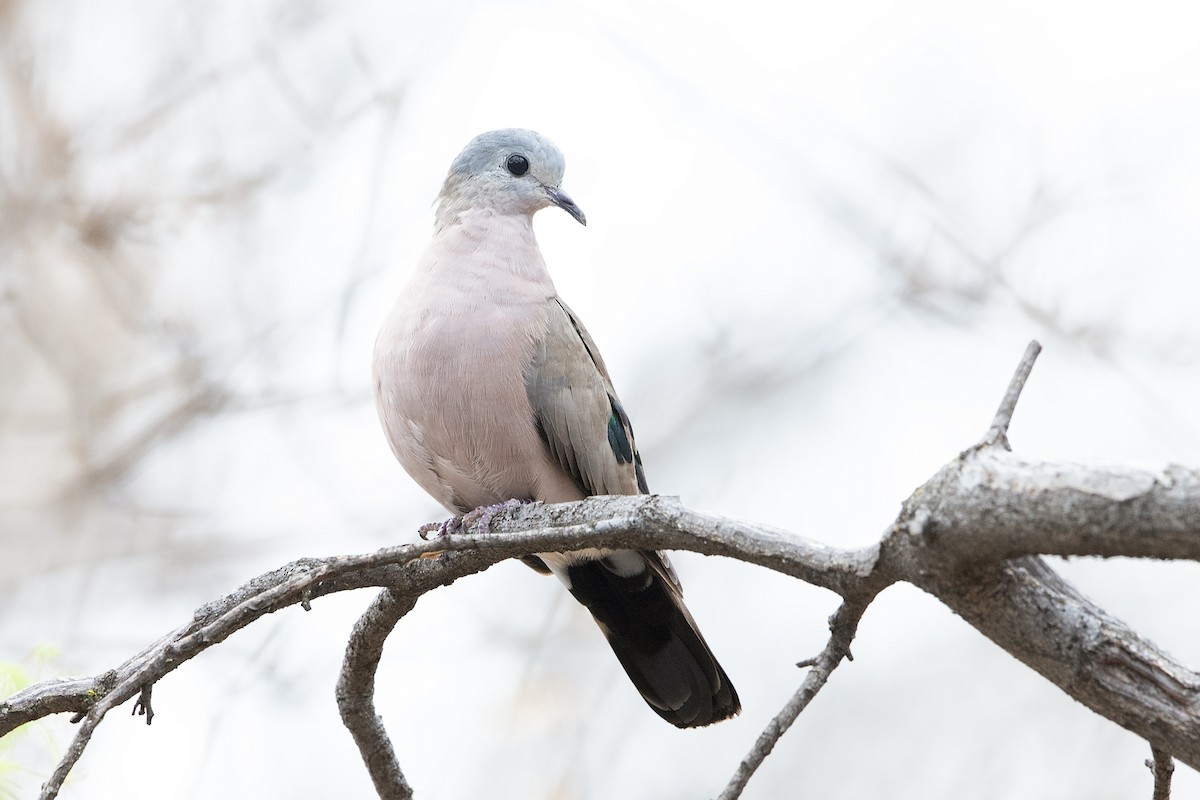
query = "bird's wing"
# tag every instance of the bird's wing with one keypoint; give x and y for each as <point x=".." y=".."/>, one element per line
<point x="576" y="411"/>
<point x="634" y="595"/>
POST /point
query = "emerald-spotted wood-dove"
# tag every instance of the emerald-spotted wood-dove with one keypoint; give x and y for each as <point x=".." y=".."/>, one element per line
<point x="489" y="389"/>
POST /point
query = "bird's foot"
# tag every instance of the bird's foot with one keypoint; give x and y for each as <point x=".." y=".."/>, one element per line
<point x="480" y="519"/>
<point x="435" y="530"/>
<point x="476" y="521"/>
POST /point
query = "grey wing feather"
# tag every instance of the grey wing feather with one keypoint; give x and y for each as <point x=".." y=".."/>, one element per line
<point x="577" y="411"/>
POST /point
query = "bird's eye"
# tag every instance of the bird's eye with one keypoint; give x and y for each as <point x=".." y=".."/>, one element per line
<point x="517" y="164"/>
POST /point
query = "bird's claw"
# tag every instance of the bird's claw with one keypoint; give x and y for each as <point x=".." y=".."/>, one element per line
<point x="479" y="520"/>
<point x="436" y="530"/>
<point x="475" y="521"/>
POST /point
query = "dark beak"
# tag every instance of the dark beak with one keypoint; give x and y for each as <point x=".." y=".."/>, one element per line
<point x="564" y="201"/>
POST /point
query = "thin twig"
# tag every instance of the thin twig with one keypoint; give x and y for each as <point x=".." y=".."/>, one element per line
<point x="842" y="627"/>
<point x="93" y="718"/>
<point x="356" y="693"/>
<point x="998" y="433"/>
<point x="1163" y="767"/>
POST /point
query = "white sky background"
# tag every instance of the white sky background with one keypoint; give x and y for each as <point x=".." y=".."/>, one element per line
<point x="819" y="239"/>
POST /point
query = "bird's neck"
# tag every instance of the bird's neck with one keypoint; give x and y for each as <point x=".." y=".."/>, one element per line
<point x="492" y="245"/>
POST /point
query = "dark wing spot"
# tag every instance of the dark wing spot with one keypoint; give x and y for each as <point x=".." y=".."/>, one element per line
<point x="618" y="438"/>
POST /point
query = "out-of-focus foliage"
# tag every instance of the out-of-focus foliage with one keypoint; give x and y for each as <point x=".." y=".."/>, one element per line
<point x="31" y="748"/>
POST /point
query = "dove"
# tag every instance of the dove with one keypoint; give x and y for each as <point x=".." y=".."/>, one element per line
<point x="490" y="389"/>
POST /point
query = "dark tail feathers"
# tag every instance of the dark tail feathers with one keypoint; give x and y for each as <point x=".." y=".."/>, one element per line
<point x="655" y="639"/>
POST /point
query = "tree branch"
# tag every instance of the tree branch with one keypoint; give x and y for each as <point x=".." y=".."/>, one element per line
<point x="992" y="505"/>
<point x="1031" y="612"/>
<point x="631" y="522"/>
<point x="1163" y="767"/>
<point x="997" y="434"/>
<point x="356" y="693"/>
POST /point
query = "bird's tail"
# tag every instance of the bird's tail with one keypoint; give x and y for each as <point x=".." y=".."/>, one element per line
<point x="641" y="611"/>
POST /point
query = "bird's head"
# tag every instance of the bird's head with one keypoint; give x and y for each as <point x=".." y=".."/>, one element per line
<point x="509" y="171"/>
